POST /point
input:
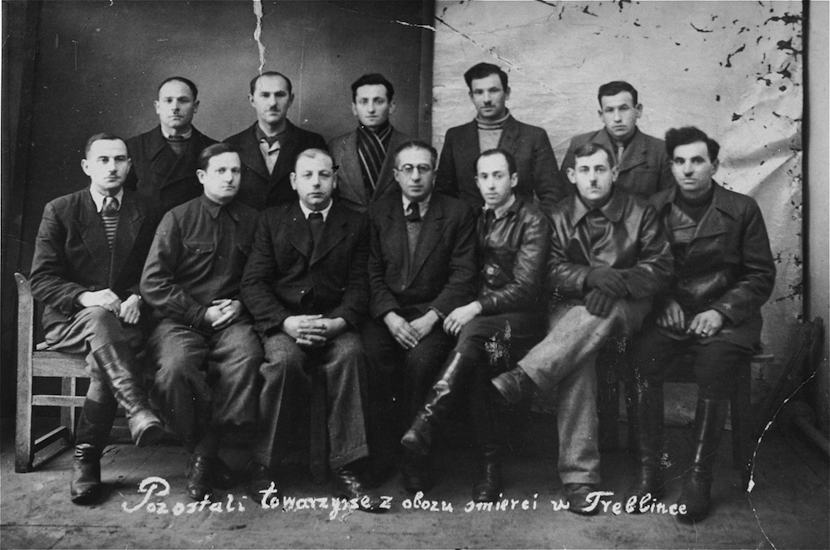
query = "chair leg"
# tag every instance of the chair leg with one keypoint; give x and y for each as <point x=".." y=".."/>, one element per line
<point x="68" y="387"/>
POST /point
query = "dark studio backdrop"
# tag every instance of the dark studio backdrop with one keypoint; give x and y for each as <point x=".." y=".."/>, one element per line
<point x="74" y="68"/>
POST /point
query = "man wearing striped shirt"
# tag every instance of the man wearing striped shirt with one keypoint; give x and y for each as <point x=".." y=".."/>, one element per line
<point x="363" y="156"/>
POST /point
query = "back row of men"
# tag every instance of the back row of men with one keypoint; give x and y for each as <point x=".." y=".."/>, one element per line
<point x="402" y="299"/>
<point x="164" y="159"/>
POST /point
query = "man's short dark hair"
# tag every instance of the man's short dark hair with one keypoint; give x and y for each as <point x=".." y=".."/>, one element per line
<point x="591" y="148"/>
<point x="101" y="136"/>
<point x="676" y="137"/>
<point x="373" y="79"/>
<point x="511" y="162"/>
<point x="417" y="144"/>
<point x="271" y="73"/>
<point x="186" y="81"/>
<point x="214" y="151"/>
<point x="617" y="87"/>
<point x="483" y="70"/>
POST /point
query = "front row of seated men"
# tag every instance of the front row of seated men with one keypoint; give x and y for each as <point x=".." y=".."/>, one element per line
<point x="245" y="311"/>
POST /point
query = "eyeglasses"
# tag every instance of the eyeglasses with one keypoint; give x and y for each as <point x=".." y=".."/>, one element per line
<point x="422" y="168"/>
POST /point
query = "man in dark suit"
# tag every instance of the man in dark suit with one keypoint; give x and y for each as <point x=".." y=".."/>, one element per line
<point x="724" y="273"/>
<point x="422" y="266"/>
<point x="268" y="148"/>
<point x="364" y="156"/>
<point x="88" y="257"/>
<point x="642" y="163"/>
<point x="495" y="127"/>
<point x="163" y="170"/>
<point x="306" y="286"/>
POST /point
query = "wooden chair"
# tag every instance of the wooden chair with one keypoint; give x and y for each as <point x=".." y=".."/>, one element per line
<point x="35" y="362"/>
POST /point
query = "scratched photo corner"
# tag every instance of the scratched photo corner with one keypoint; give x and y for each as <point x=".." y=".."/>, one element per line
<point x="414" y="274"/>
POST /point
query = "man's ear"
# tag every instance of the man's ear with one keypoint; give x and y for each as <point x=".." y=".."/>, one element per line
<point x="715" y="166"/>
<point x="514" y="179"/>
<point x="201" y="174"/>
<point x="639" y="110"/>
<point x="293" y="178"/>
<point x="354" y="109"/>
<point x="392" y="106"/>
<point x="615" y="172"/>
<point x="85" y="166"/>
<point x="572" y="175"/>
<point x="195" y="106"/>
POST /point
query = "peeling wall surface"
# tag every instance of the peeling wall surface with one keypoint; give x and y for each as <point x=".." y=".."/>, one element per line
<point x="734" y="69"/>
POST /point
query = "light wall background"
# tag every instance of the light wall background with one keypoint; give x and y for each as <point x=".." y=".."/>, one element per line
<point x="734" y="69"/>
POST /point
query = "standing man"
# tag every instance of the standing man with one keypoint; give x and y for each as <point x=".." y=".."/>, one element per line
<point x="163" y="169"/>
<point x="725" y="272"/>
<point x="269" y="147"/>
<point x="306" y="286"/>
<point x="422" y="266"/>
<point x="609" y="257"/>
<point x="507" y="315"/>
<point x="493" y="127"/>
<point x="204" y="345"/>
<point x="643" y="167"/>
<point x="364" y="159"/>
<point x="89" y="251"/>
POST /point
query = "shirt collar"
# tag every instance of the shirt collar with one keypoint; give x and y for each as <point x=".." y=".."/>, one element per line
<point x="260" y="133"/>
<point x="422" y="206"/>
<point x="612" y="210"/>
<point x="325" y="212"/>
<point x="502" y="210"/>
<point x="98" y="198"/>
<point x="213" y="208"/>
<point x="180" y="137"/>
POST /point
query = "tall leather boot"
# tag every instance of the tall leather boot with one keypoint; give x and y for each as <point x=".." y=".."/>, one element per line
<point x="489" y="433"/>
<point x="438" y="402"/>
<point x="94" y="426"/>
<point x="122" y="373"/>
<point x="649" y="442"/>
<point x="709" y="419"/>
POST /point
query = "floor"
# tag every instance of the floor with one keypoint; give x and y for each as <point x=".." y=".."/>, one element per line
<point x="787" y="508"/>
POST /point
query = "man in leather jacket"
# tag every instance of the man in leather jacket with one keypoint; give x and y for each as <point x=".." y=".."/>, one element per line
<point x="505" y="319"/>
<point x="609" y="257"/>
<point x="724" y="273"/>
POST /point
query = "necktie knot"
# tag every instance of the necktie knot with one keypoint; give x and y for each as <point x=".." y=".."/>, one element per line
<point x="316" y="224"/>
<point x="413" y="212"/>
<point x="110" y="207"/>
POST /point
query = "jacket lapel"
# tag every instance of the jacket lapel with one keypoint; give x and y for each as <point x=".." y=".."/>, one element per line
<point x="92" y="232"/>
<point x="299" y="235"/>
<point x="432" y="227"/>
<point x="130" y="218"/>
<point x="285" y="160"/>
<point x="713" y="222"/>
<point x="636" y="153"/>
<point x="470" y="148"/>
<point x="386" y="177"/>
<point x="251" y="154"/>
<point x="394" y="233"/>
<point x="333" y="233"/>
<point x="350" y="167"/>
<point x="508" y="136"/>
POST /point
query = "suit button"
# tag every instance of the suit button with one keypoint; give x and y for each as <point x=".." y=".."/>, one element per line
<point x="302" y="292"/>
<point x="403" y="287"/>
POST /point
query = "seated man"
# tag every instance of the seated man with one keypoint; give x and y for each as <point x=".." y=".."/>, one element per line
<point x="306" y="286"/>
<point x="724" y="273"/>
<point x="204" y="345"/>
<point x="421" y="267"/>
<point x="513" y="239"/>
<point x="89" y="251"/>
<point x="608" y="258"/>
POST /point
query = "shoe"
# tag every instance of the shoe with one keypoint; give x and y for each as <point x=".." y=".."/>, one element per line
<point x="417" y="474"/>
<point x="263" y="483"/>
<point x="513" y="385"/>
<point x="488" y="488"/>
<point x="650" y="445"/>
<point x="200" y="476"/>
<point x="348" y="485"/>
<point x="123" y="374"/>
<point x="438" y="403"/>
<point x="86" y="487"/>
<point x="577" y="497"/>
<point x="695" y="497"/>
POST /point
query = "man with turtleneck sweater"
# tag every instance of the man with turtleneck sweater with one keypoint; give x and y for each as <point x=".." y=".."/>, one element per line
<point x="164" y="159"/>
<point x="642" y="163"/>
<point x="364" y="159"/>
<point x="495" y="127"/>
